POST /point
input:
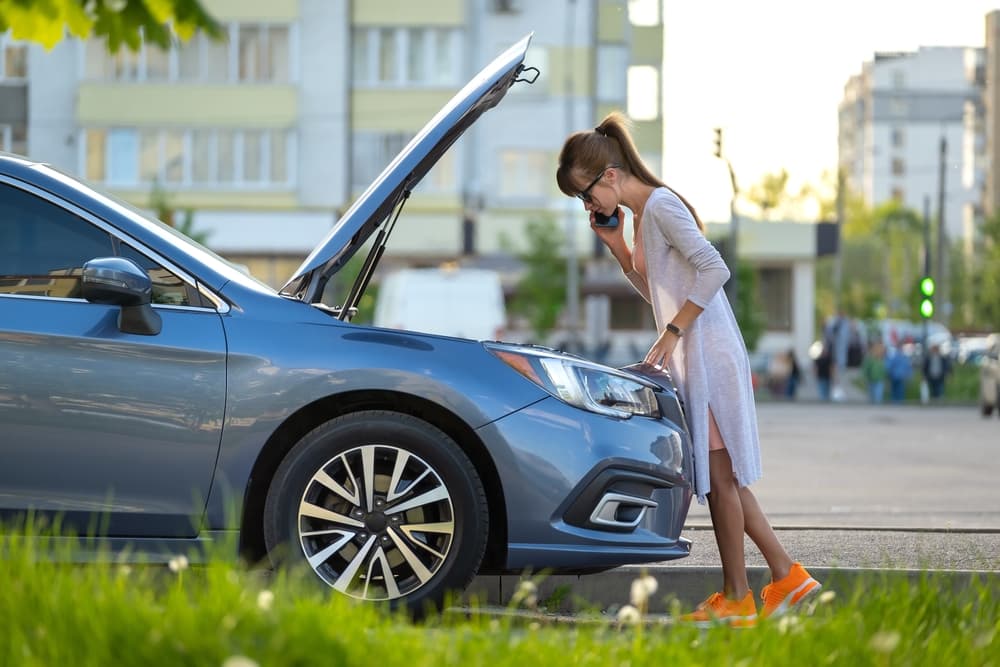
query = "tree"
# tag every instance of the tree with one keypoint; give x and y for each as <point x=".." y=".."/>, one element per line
<point x="541" y="292"/>
<point x="900" y="231"/>
<point x="770" y="193"/>
<point x="165" y="211"/>
<point x="120" y="22"/>
<point x="986" y="277"/>
<point x="748" y="313"/>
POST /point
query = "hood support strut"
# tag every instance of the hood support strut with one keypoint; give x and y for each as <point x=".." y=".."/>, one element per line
<point x="350" y="307"/>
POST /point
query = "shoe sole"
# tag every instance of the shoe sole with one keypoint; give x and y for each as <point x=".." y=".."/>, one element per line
<point x="734" y="621"/>
<point x="804" y="590"/>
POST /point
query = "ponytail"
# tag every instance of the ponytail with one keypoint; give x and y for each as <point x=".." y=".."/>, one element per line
<point x="609" y="143"/>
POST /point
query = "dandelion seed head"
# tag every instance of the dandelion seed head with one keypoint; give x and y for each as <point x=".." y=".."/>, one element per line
<point x="788" y="624"/>
<point x="239" y="661"/>
<point x="629" y="615"/>
<point x="983" y="639"/>
<point x="265" y="599"/>
<point x="642" y="588"/>
<point x="178" y="563"/>
<point x="884" y="642"/>
<point x="826" y="597"/>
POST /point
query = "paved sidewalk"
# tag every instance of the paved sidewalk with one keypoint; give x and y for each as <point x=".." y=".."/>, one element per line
<point x="837" y="557"/>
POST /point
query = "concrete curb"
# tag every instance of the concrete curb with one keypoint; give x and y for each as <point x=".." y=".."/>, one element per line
<point x="609" y="590"/>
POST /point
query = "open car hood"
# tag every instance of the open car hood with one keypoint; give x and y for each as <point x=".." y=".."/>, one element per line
<point x="375" y="207"/>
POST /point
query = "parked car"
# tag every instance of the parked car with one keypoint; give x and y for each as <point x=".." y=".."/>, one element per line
<point x="451" y="301"/>
<point x="158" y="398"/>
<point x="989" y="377"/>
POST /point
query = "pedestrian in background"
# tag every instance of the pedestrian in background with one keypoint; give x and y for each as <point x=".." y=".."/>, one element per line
<point x="681" y="274"/>
<point x="794" y="375"/>
<point x="898" y="370"/>
<point x="936" y="369"/>
<point x="873" y="370"/>
<point x="823" y="365"/>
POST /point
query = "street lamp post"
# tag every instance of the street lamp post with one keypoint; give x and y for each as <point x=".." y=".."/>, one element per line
<point x="734" y="223"/>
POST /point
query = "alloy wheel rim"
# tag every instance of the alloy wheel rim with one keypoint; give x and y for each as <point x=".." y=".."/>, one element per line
<point x="376" y="522"/>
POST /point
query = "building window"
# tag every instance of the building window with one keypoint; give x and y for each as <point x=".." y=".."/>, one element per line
<point x="251" y="53"/>
<point x="897" y="106"/>
<point x="898" y="194"/>
<point x="189" y="159"/>
<point x="644" y="12"/>
<point x="371" y="153"/>
<point x="898" y="79"/>
<point x="14" y="138"/>
<point x="406" y="56"/>
<point x="898" y="166"/>
<point x="13" y="59"/>
<point x="612" y="60"/>
<point x="775" y="297"/>
<point x="643" y="92"/>
<point x="897" y="137"/>
<point x="524" y="174"/>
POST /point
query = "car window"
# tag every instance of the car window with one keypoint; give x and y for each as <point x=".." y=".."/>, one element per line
<point x="43" y="247"/>
<point x="168" y="289"/>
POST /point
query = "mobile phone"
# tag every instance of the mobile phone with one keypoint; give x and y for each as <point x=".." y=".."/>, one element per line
<point x="601" y="220"/>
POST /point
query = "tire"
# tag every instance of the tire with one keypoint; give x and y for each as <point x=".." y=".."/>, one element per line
<point x="988" y="410"/>
<point x="381" y="506"/>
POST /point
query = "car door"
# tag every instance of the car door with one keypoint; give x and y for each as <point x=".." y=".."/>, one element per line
<point x="115" y="433"/>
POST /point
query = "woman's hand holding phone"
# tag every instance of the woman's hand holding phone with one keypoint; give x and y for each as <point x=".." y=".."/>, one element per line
<point x="601" y="220"/>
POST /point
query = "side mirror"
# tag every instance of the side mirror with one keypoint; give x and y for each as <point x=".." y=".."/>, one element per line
<point x="121" y="282"/>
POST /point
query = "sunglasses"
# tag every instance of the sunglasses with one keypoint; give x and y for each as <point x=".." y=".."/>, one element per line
<point x="584" y="195"/>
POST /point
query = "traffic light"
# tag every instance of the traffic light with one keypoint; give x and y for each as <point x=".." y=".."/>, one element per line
<point x="718" y="142"/>
<point x="927" y="297"/>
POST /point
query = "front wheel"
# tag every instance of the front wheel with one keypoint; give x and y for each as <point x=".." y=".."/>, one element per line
<point x="382" y="506"/>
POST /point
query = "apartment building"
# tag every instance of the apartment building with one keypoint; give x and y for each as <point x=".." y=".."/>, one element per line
<point x="893" y="119"/>
<point x="991" y="114"/>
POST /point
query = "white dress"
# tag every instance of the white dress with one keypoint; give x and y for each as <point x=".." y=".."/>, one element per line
<point x="673" y="262"/>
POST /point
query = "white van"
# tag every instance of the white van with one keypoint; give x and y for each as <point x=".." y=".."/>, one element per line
<point x="464" y="303"/>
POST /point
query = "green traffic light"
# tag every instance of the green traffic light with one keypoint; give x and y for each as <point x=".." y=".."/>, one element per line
<point x="927" y="288"/>
<point x="927" y="308"/>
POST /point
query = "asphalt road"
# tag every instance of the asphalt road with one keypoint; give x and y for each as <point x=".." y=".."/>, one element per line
<point x="889" y="466"/>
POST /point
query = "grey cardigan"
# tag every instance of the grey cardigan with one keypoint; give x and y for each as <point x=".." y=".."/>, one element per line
<point x="710" y="363"/>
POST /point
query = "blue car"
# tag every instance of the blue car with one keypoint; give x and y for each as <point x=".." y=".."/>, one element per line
<point x="157" y="397"/>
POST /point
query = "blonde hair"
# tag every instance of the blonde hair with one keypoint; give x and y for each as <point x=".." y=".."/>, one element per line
<point x="610" y="143"/>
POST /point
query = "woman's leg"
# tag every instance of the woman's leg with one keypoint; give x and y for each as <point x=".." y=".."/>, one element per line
<point x="726" y="508"/>
<point x="759" y="529"/>
<point x="734" y="511"/>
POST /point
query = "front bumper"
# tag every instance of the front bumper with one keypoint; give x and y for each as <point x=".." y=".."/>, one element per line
<point x="588" y="492"/>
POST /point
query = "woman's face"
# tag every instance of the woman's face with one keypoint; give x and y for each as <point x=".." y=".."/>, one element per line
<point x="597" y="194"/>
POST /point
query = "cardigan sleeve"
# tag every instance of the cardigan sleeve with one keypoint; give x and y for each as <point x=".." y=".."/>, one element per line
<point x="681" y="231"/>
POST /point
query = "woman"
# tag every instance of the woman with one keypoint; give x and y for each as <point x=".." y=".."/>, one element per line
<point x="674" y="267"/>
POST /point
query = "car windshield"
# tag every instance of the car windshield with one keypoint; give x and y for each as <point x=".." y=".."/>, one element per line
<point x="124" y="207"/>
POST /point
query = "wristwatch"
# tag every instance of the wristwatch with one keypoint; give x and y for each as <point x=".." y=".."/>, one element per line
<point x="674" y="329"/>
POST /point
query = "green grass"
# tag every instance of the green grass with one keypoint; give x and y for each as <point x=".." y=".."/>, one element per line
<point x="219" y="614"/>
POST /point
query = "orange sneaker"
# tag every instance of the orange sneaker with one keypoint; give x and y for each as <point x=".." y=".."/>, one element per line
<point x="780" y="596"/>
<point x="718" y="609"/>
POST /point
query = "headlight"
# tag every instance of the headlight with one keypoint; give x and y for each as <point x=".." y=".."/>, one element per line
<point x="581" y="383"/>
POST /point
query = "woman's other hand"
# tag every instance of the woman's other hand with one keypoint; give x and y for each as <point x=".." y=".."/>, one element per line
<point x="659" y="355"/>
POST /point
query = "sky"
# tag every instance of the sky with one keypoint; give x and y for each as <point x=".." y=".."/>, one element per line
<point x="771" y="73"/>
